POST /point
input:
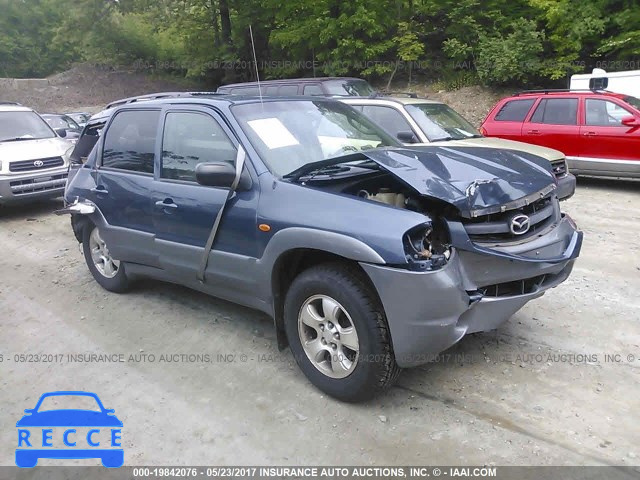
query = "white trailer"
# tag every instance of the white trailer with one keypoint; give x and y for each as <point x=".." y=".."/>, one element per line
<point x="627" y="82"/>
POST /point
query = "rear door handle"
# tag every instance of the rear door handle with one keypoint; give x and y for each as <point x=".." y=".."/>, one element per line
<point x="590" y="134"/>
<point x="99" y="190"/>
<point x="533" y="132"/>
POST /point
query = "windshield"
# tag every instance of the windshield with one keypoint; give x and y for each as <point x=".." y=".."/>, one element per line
<point x="633" y="101"/>
<point x="64" y="122"/>
<point x="440" y="122"/>
<point x="351" y="88"/>
<point x="79" y="117"/>
<point x="291" y="134"/>
<point x="23" y="125"/>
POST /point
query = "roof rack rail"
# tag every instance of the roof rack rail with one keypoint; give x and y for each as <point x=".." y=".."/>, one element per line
<point x="560" y="90"/>
<point x="156" y="96"/>
<point x="384" y="93"/>
<point x="11" y="103"/>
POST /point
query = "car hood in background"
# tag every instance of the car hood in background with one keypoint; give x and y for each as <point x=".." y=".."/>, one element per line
<point x="548" y="153"/>
<point x="33" y="149"/>
<point x="476" y="180"/>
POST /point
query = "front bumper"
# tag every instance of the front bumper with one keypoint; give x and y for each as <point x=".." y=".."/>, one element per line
<point x="477" y="290"/>
<point x="32" y="186"/>
<point x="566" y="186"/>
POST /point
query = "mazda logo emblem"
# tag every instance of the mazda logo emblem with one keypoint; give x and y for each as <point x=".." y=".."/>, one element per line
<point x="519" y="224"/>
<point x="38" y="163"/>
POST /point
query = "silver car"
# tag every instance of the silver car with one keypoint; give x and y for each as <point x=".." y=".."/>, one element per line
<point x="33" y="159"/>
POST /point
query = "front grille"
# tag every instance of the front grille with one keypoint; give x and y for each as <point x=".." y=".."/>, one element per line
<point x="559" y="168"/>
<point x="39" y="184"/>
<point x="37" y="164"/>
<point x="496" y="226"/>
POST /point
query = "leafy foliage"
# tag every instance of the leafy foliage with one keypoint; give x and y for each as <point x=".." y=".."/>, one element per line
<point x="455" y="42"/>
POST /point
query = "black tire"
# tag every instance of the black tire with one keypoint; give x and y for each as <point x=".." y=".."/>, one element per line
<point x="375" y="369"/>
<point x="118" y="283"/>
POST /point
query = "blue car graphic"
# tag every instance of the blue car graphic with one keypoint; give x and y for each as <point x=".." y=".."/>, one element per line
<point x="36" y="424"/>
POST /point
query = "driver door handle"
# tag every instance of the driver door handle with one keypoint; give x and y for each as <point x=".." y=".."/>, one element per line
<point x="533" y="132"/>
<point x="590" y="134"/>
<point x="167" y="202"/>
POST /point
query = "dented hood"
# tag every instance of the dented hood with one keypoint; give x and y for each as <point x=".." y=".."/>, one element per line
<point x="476" y="180"/>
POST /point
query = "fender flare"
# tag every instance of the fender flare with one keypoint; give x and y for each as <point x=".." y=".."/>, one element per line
<point x="301" y="238"/>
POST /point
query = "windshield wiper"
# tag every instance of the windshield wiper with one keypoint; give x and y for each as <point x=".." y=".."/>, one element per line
<point x="443" y="139"/>
<point x="17" y="139"/>
<point x="326" y="170"/>
<point x="298" y="173"/>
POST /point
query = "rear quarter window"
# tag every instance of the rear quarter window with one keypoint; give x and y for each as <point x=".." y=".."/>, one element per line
<point x="515" y="110"/>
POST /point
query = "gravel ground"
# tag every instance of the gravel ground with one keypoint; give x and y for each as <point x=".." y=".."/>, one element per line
<point x="536" y="392"/>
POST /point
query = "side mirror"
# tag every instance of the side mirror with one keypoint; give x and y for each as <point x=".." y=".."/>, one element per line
<point x="630" y="121"/>
<point x="215" y="174"/>
<point x="61" y="132"/>
<point x="407" y="137"/>
<point x="109" y="411"/>
<point x="224" y="174"/>
<point x="28" y="410"/>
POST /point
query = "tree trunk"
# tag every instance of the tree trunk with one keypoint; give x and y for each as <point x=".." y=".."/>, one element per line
<point x="225" y="21"/>
<point x="214" y="23"/>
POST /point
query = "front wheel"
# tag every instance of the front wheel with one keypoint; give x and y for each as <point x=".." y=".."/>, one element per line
<point x="338" y="333"/>
<point x="106" y="270"/>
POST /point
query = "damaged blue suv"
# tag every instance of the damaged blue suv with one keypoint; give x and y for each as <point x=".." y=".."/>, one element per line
<point x="369" y="256"/>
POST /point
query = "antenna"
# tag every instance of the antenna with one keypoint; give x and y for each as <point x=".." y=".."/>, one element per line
<point x="255" y="60"/>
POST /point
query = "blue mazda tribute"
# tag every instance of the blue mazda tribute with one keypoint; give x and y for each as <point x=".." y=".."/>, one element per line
<point x="369" y="256"/>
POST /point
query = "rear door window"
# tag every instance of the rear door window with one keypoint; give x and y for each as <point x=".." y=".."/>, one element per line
<point x="130" y="141"/>
<point x="286" y="90"/>
<point x="556" y="111"/>
<point x="312" y="90"/>
<point x="515" y="110"/>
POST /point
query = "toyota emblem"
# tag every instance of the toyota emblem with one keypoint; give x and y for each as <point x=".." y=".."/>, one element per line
<point x="38" y="163"/>
<point x="520" y="224"/>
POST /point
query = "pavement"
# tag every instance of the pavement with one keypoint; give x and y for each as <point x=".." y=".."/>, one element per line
<point x="199" y="381"/>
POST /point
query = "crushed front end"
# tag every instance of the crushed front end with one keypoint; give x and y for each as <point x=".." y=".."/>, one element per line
<point x="494" y="262"/>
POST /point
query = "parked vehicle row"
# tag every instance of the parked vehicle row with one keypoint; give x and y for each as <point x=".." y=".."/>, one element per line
<point x="590" y="131"/>
<point x="370" y="256"/>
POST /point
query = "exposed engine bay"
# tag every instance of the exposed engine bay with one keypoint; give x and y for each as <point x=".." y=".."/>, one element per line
<point x="426" y="247"/>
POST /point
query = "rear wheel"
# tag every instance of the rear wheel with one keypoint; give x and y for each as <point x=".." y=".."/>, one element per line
<point x="338" y="333"/>
<point x="107" y="271"/>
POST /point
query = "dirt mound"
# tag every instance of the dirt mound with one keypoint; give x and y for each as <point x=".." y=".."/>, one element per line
<point x="85" y="87"/>
<point x="473" y="103"/>
<point x="89" y="87"/>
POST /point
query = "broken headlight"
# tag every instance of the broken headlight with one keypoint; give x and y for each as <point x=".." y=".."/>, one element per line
<point x="427" y="247"/>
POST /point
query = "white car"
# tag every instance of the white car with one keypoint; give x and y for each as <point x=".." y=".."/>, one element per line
<point x="34" y="160"/>
<point x="418" y="121"/>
